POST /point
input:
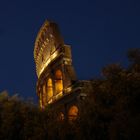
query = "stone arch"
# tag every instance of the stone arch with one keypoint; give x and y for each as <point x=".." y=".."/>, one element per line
<point x="49" y="88"/>
<point x="44" y="94"/>
<point x="58" y="81"/>
<point x="40" y="100"/>
<point x="73" y="112"/>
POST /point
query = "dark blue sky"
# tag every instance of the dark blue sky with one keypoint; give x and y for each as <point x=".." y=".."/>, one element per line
<point x="100" y="32"/>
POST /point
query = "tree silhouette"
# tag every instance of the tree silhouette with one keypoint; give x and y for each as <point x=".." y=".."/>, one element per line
<point x="110" y="111"/>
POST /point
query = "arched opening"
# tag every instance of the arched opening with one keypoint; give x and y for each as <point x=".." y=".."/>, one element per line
<point x="44" y="95"/>
<point x="73" y="113"/>
<point x="58" y="81"/>
<point x="40" y="100"/>
<point x="49" y="88"/>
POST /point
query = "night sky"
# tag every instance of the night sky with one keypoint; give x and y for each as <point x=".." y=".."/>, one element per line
<point x="100" y="33"/>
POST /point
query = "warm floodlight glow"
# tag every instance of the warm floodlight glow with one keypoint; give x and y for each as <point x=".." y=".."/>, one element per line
<point x="40" y="101"/>
<point x="49" y="88"/>
<point x="50" y="101"/>
<point x="53" y="65"/>
<point x="59" y="95"/>
<point x="69" y="89"/>
<point x="73" y="113"/>
<point x="46" y="63"/>
<point x="58" y="81"/>
<point x="44" y="94"/>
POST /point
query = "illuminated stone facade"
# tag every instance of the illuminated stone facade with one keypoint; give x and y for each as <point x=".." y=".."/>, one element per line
<point x="57" y="85"/>
<point x="53" y="65"/>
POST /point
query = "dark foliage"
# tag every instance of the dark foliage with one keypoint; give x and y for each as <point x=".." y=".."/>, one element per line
<point x="109" y="112"/>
